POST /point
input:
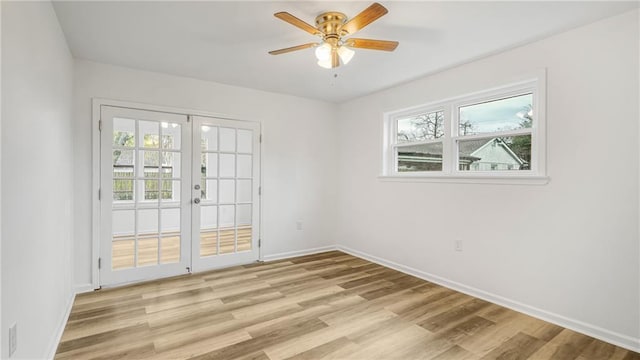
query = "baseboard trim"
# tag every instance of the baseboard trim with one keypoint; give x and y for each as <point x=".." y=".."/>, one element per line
<point x="597" y="332"/>
<point x="304" y="252"/>
<point x="53" y="346"/>
<point x="83" y="288"/>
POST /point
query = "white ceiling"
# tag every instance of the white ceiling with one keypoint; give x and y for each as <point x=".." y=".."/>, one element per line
<point x="227" y="42"/>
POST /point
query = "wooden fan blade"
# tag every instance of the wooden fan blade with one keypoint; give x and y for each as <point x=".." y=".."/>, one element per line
<point x="293" y="48"/>
<point x="366" y="17"/>
<point x="372" y="44"/>
<point x="335" y="60"/>
<point x="285" y="16"/>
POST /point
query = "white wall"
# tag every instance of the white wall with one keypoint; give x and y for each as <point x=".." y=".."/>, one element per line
<point x="298" y="153"/>
<point x="569" y="248"/>
<point x="37" y="73"/>
<point x="1" y="338"/>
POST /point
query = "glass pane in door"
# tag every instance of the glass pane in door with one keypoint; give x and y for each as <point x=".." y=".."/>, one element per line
<point x="170" y="235"/>
<point x="147" y="237"/>
<point x="244" y="227"/>
<point x="208" y="230"/>
<point x="245" y="141"/>
<point x="123" y="239"/>
<point x="227" y="140"/>
<point x="227" y="229"/>
<point x="226" y="190"/>
<point x="146" y="213"/>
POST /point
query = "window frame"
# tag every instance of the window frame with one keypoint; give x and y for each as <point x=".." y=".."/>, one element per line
<point x="535" y="85"/>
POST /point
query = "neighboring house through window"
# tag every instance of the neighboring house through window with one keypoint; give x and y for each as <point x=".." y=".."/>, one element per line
<point x="493" y="133"/>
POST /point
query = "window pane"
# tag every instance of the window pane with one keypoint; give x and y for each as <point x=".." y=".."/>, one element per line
<point x="123" y="254"/>
<point x="170" y="135"/>
<point x="245" y="141"/>
<point x="147" y="237"/>
<point x="227" y="229"/>
<point x="244" y="227"/>
<point x="123" y="132"/>
<point x="147" y="222"/>
<point x="122" y="190"/>
<point x="227" y="139"/>
<point x="151" y="162"/>
<point x="243" y="190"/>
<point x="123" y="239"/>
<point x="426" y="157"/>
<point x="208" y="217"/>
<point x="209" y="140"/>
<point x="209" y="165"/>
<point x="150" y="190"/>
<point x="122" y="172"/>
<point x="227" y="191"/>
<point x="227" y="165"/>
<point x="170" y="190"/>
<point x="227" y="216"/>
<point x="210" y="190"/>
<point x="244" y="215"/>
<point x="148" y="251"/>
<point x="208" y="230"/>
<point x="171" y="164"/>
<point x="170" y="249"/>
<point x="422" y="127"/>
<point x="244" y="166"/>
<point x="498" y="115"/>
<point x="149" y="134"/>
<point x="170" y="243"/>
<point x="495" y="154"/>
<point x="227" y="240"/>
<point x="123" y="161"/>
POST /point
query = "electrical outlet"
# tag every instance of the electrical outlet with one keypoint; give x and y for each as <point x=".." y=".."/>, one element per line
<point x="13" y="339"/>
<point x="299" y="225"/>
<point x="458" y="245"/>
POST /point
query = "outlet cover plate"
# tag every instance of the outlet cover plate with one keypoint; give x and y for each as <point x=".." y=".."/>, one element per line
<point x="458" y="245"/>
<point x="13" y="339"/>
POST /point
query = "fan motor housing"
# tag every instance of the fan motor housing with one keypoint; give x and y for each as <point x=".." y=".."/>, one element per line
<point x="330" y="22"/>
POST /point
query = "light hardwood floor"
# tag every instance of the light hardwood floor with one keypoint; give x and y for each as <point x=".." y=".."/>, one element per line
<point x="324" y="306"/>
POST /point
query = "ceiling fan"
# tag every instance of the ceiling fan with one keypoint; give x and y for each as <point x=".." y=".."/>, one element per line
<point x="331" y="27"/>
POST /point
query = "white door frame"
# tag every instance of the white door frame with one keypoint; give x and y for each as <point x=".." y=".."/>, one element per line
<point x="97" y="103"/>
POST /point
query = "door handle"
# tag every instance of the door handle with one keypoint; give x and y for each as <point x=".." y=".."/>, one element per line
<point x="196" y="201"/>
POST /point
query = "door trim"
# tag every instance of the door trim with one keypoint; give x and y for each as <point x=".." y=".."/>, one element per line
<point x="96" y="104"/>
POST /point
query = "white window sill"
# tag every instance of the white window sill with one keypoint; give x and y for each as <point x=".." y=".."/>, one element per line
<point x="468" y="179"/>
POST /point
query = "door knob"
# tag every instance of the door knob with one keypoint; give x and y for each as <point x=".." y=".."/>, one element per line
<point x="196" y="201"/>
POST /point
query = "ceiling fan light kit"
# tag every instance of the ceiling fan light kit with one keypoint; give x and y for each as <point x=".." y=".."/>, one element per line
<point x="331" y="27"/>
<point x="345" y="54"/>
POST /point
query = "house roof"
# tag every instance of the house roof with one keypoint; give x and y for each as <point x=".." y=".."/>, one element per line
<point x="467" y="149"/>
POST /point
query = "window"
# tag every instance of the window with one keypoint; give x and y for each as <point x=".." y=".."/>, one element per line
<point x="497" y="133"/>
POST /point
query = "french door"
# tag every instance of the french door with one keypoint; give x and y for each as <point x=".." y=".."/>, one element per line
<point x="226" y="192"/>
<point x="176" y="193"/>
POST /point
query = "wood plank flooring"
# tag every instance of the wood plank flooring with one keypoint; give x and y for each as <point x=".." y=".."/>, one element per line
<point x="324" y="306"/>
